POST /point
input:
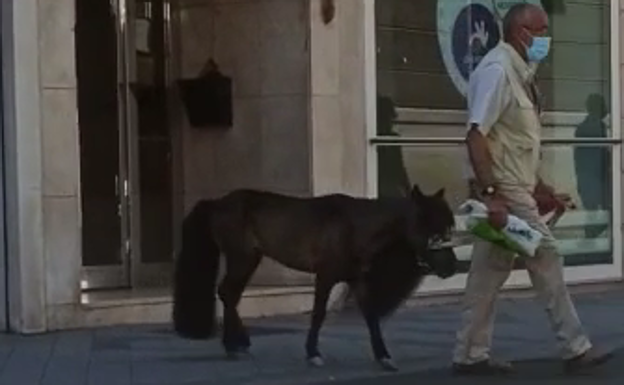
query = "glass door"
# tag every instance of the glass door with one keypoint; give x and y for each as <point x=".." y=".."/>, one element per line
<point x="150" y="141"/>
<point x="125" y="139"/>
<point x="104" y="182"/>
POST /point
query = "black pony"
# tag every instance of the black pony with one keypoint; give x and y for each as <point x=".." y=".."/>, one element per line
<point x="381" y="248"/>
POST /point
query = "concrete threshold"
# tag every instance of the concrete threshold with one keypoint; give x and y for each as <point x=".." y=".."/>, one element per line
<point x="104" y="308"/>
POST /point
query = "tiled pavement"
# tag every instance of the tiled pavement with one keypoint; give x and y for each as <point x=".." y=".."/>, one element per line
<point x="421" y="340"/>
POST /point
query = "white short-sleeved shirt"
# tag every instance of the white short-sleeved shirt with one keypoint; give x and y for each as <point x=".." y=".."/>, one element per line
<point x="489" y="94"/>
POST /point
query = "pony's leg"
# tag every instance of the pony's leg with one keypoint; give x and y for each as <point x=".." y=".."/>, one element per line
<point x="379" y="347"/>
<point x="376" y="337"/>
<point x="239" y="271"/>
<point x="322" y="290"/>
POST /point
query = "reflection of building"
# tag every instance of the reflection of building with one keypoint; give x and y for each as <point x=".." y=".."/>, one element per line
<point x="393" y="180"/>
<point x="577" y="68"/>
<point x="304" y="123"/>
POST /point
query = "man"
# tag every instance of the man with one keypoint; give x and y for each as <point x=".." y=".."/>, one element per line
<point x="503" y="143"/>
<point x="393" y="178"/>
<point x="593" y="164"/>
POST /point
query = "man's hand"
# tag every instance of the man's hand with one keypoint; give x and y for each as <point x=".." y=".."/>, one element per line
<point x="544" y="189"/>
<point x="548" y="200"/>
<point x="497" y="212"/>
<point x="566" y="200"/>
<point x="481" y="161"/>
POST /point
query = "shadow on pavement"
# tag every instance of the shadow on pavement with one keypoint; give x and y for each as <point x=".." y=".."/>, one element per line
<point x="545" y="371"/>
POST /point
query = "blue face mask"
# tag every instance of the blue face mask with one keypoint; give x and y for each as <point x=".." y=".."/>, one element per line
<point x="538" y="49"/>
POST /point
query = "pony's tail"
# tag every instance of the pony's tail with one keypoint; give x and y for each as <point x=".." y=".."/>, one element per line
<point x="195" y="279"/>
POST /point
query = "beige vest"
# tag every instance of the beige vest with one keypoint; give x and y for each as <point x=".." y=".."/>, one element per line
<point x="514" y="140"/>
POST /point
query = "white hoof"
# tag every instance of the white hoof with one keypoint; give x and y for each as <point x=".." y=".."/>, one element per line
<point x="316" y="362"/>
<point x="388" y="364"/>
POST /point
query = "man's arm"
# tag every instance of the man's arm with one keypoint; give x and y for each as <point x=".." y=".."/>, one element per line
<point x="481" y="160"/>
<point x="480" y="157"/>
<point x="488" y="96"/>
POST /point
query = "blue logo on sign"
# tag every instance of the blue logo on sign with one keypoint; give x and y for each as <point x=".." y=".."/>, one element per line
<point x="475" y="33"/>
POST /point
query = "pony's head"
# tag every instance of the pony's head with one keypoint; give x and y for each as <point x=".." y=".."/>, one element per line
<point x="437" y="222"/>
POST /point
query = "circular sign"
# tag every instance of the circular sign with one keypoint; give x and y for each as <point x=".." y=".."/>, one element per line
<point x="467" y="31"/>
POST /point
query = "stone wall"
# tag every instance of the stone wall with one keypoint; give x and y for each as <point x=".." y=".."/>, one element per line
<point x="263" y="45"/>
<point x="340" y="99"/>
<point x="43" y="197"/>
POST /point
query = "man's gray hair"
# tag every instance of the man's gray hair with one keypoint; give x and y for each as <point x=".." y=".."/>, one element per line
<point x="511" y="19"/>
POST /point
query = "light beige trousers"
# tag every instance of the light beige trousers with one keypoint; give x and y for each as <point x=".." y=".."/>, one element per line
<point x="490" y="268"/>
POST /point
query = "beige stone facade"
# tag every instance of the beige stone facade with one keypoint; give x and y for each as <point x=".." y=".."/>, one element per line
<point x="302" y="122"/>
<point x="297" y="83"/>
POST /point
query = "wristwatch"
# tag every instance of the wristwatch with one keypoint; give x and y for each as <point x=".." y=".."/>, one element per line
<point x="488" y="191"/>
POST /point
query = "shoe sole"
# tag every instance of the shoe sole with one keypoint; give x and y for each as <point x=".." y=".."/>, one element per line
<point x="481" y="371"/>
<point x="590" y="365"/>
<point x="484" y="373"/>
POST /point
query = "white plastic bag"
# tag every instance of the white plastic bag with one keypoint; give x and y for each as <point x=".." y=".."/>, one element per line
<point x="517" y="235"/>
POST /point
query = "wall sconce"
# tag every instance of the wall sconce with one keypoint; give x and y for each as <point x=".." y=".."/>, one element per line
<point x="208" y="98"/>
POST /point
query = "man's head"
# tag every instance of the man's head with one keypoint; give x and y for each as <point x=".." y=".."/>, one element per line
<point x="386" y="114"/>
<point x="525" y="27"/>
<point x="596" y="106"/>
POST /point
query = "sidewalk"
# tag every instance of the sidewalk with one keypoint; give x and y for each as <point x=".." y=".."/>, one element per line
<point x="421" y="340"/>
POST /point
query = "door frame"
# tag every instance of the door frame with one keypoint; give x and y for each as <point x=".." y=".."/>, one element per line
<point x="4" y="290"/>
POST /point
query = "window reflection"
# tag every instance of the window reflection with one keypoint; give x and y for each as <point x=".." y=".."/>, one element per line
<point x="422" y="68"/>
<point x="584" y="234"/>
<point x="421" y="63"/>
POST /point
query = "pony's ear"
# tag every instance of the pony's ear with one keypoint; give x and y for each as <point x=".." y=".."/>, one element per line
<point x="440" y="193"/>
<point x="417" y="194"/>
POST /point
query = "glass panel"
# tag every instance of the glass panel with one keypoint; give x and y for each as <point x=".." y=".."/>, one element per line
<point x="579" y="62"/>
<point x="584" y="235"/>
<point x="98" y="117"/>
<point x="584" y="172"/>
<point x="156" y="201"/>
<point x="426" y="50"/>
<point x="410" y="63"/>
<point x="154" y="141"/>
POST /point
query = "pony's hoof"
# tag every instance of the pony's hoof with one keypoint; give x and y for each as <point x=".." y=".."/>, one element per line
<point x="388" y="364"/>
<point x="316" y="362"/>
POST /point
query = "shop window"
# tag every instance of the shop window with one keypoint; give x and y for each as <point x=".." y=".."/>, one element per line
<point x="416" y="60"/>
<point x="423" y="64"/>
